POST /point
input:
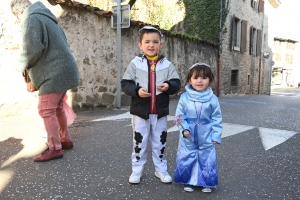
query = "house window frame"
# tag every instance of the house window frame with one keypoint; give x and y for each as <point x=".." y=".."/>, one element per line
<point x="258" y="5"/>
<point x="238" y="34"/>
<point x="248" y="79"/>
<point x="255" y="41"/>
<point x="234" y="77"/>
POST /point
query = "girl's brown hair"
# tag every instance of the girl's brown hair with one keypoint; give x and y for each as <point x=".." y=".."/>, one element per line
<point x="202" y="70"/>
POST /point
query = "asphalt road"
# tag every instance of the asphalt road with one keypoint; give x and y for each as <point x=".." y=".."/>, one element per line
<point x="258" y="157"/>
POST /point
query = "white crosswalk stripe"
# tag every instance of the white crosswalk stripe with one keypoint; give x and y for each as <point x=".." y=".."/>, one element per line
<point x="269" y="137"/>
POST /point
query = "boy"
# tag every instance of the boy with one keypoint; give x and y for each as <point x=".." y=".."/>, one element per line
<point x="149" y="80"/>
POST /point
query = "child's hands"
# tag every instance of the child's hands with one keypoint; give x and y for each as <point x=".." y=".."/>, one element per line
<point x="163" y="87"/>
<point x="186" y="133"/>
<point x="144" y="93"/>
<point x="214" y="142"/>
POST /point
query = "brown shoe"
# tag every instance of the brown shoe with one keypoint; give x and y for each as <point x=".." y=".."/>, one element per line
<point x="67" y="145"/>
<point x="48" y="155"/>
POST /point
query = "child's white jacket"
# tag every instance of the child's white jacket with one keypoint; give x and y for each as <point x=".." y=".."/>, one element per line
<point x="136" y="76"/>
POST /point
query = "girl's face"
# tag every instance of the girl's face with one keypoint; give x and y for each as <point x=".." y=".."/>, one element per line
<point x="150" y="44"/>
<point x="199" y="83"/>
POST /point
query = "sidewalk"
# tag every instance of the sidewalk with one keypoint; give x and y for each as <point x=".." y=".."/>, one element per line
<point x="281" y="86"/>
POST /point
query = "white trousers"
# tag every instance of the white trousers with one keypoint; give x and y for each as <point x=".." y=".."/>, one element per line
<point x="143" y="130"/>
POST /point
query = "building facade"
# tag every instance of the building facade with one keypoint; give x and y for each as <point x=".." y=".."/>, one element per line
<point x="284" y="69"/>
<point x="284" y="43"/>
<point x="245" y="69"/>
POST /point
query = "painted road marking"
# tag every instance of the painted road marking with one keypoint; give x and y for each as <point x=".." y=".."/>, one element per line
<point x="269" y="137"/>
<point x="273" y="137"/>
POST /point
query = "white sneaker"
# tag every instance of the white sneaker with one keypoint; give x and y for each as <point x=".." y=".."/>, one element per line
<point x="164" y="176"/>
<point x="188" y="188"/>
<point x="206" y="190"/>
<point x="135" y="177"/>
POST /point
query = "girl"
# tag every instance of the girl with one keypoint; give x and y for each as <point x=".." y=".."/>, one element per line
<point x="199" y="120"/>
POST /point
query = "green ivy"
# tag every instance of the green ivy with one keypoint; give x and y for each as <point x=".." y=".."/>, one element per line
<point x="202" y="19"/>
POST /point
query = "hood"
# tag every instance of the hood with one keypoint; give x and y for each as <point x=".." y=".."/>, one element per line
<point x="199" y="96"/>
<point x="40" y="9"/>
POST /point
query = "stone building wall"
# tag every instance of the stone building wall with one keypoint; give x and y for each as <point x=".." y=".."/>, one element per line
<point x="246" y="63"/>
<point x="93" y="44"/>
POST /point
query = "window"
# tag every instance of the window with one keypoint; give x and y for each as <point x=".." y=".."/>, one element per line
<point x="255" y="41"/>
<point x="290" y="45"/>
<point x="277" y="57"/>
<point x="254" y="4"/>
<point x="248" y="82"/>
<point x="279" y="46"/>
<point x="234" y="78"/>
<point x="238" y="34"/>
<point x="253" y="38"/>
<point x="258" y="5"/>
<point x="289" y="59"/>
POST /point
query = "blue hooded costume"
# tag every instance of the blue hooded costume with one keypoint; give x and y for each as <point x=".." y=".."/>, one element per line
<point x="196" y="162"/>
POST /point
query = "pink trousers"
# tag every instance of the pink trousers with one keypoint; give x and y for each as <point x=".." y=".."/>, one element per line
<point x="51" y="109"/>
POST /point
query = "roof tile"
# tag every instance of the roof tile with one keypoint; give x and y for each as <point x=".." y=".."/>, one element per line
<point x="88" y="8"/>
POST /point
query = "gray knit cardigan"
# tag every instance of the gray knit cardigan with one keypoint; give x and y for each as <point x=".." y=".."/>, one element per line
<point x="46" y="54"/>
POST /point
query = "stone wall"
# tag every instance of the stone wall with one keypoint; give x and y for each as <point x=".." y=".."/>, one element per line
<point x="93" y="44"/>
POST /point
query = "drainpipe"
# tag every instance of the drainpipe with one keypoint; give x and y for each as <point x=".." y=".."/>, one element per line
<point x="219" y="52"/>
<point x="259" y="70"/>
<point x="219" y="71"/>
<point x="271" y="67"/>
<point x="261" y="52"/>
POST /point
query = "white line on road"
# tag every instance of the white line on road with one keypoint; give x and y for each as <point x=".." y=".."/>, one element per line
<point x="269" y="137"/>
<point x="273" y="137"/>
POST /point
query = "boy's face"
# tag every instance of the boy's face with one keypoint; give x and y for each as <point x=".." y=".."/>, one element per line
<point x="150" y="43"/>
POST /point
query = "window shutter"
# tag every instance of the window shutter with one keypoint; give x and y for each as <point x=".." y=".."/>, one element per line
<point x="261" y="5"/>
<point x="244" y="36"/>
<point x="251" y="40"/>
<point x="258" y="43"/>
<point x="232" y="32"/>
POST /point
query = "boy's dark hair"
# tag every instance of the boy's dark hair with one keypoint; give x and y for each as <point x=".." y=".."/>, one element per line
<point x="149" y="29"/>
<point x="200" y="69"/>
